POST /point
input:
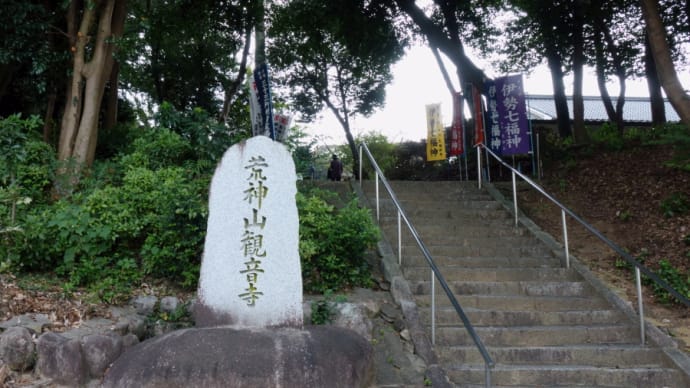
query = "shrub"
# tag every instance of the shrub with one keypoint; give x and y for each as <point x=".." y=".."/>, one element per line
<point x="675" y="204"/>
<point x="333" y="243"/>
<point x="680" y="282"/>
<point x="608" y="137"/>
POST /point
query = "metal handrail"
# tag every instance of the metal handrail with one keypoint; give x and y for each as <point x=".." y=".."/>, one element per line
<point x="639" y="267"/>
<point x="435" y="272"/>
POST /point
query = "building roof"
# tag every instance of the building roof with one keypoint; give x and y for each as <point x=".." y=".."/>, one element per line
<point x="635" y="109"/>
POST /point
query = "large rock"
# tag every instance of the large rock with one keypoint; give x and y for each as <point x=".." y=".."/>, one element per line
<point x="353" y="317"/>
<point x="60" y="359"/>
<point x="319" y="356"/>
<point x="17" y="349"/>
<point x="99" y="351"/>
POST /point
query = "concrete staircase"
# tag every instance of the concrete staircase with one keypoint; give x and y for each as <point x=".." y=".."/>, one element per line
<point x="544" y="325"/>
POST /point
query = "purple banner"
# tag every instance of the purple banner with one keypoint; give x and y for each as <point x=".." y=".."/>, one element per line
<point x="508" y="128"/>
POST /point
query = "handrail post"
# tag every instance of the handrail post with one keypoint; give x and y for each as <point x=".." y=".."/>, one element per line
<point x="479" y="166"/>
<point x="565" y="239"/>
<point x="378" y="212"/>
<point x="433" y="308"/>
<point x="399" y="240"/>
<point x="638" y="283"/>
<point x="360" y="164"/>
<point x="515" y="204"/>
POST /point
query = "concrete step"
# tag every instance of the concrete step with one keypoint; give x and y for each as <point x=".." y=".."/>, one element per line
<point x="487" y="250"/>
<point x="454" y="231"/>
<point x="459" y="215"/>
<point x="446" y="315"/>
<point x="565" y="376"/>
<point x="508" y="288"/>
<point x="463" y="274"/>
<point x="456" y="240"/>
<point x="593" y="355"/>
<point x="517" y="303"/>
<point x="413" y="207"/>
<point x="483" y="262"/>
<point x="540" y="335"/>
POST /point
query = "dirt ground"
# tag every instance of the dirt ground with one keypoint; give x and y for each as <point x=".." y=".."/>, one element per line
<point x="621" y="195"/>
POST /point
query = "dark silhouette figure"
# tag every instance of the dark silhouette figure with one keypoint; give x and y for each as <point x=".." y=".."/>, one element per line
<point x="335" y="171"/>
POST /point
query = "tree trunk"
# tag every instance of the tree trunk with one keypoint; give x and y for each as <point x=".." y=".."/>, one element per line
<point x="579" y="131"/>
<point x="74" y="100"/>
<point x="663" y="61"/>
<point x="48" y="121"/>
<point x="110" y="117"/>
<point x="79" y="130"/>
<point x="451" y="46"/>
<point x="235" y="86"/>
<point x="601" y="33"/>
<point x="656" y="98"/>
<point x="559" y="97"/>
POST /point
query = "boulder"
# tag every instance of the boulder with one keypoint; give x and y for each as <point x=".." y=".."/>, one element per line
<point x="318" y="356"/>
<point x="354" y="317"/>
<point x="60" y="359"/>
<point x="99" y="351"/>
<point x="145" y="304"/>
<point x="17" y="349"/>
<point x="34" y="322"/>
<point x="169" y="304"/>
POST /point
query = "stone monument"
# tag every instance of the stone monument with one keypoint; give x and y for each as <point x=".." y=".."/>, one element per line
<point x="250" y="272"/>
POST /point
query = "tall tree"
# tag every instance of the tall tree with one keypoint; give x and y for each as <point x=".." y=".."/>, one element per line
<point x="447" y="25"/>
<point x="661" y="53"/>
<point x="185" y="52"/>
<point x="542" y="31"/>
<point x="334" y="54"/>
<point x="92" y="63"/>
<point x="615" y="49"/>
<point x="579" y="9"/>
<point x="654" y="86"/>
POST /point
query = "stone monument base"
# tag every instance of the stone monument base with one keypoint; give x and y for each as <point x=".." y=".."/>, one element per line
<point x="317" y="356"/>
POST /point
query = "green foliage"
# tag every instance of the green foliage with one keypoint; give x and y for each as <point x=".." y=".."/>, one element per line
<point x="313" y="38"/>
<point x="207" y="137"/>
<point x="607" y="137"/>
<point x="678" y="137"/>
<point x="333" y="243"/>
<point x="675" y="204"/>
<point x="14" y="135"/>
<point x="382" y="150"/>
<point x="679" y="281"/>
<point x="323" y="310"/>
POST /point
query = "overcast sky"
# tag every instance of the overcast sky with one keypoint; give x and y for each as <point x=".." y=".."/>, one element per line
<point x="418" y="82"/>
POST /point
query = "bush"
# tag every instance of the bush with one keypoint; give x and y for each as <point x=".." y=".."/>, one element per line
<point x="680" y="282"/>
<point x="608" y="137"/>
<point x="333" y="243"/>
<point x="675" y="204"/>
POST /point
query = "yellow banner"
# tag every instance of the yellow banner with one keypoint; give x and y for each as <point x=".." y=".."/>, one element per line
<point x="436" y="139"/>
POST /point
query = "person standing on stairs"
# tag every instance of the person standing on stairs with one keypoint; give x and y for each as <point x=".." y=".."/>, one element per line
<point x="335" y="171"/>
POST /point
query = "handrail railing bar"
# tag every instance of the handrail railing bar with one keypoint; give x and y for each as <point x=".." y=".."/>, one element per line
<point x="600" y="236"/>
<point x="427" y="255"/>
